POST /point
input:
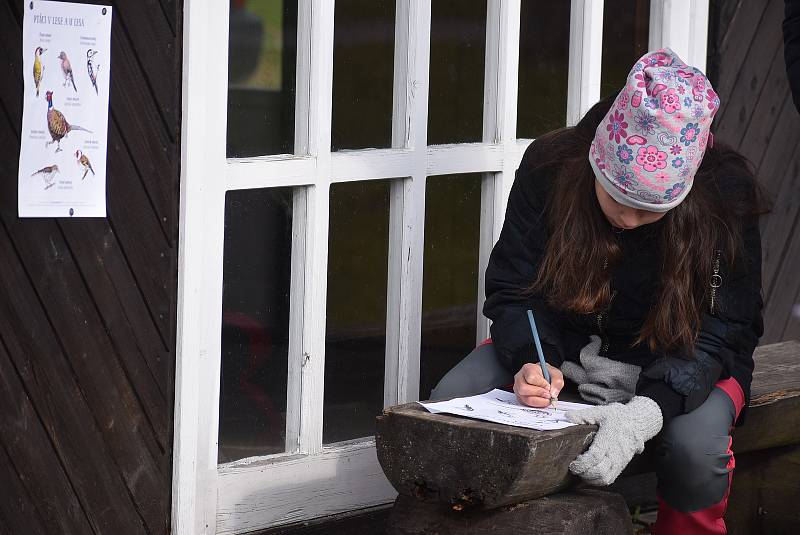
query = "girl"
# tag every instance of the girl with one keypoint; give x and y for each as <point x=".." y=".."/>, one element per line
<point x="635" y="242"/>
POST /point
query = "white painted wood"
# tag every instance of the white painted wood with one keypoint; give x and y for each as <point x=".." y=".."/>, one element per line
<point x="204" y="96"/>
<point x="681" y="25"/>
<point x="302" y="104"/>
<point x="337" y="480"/>
<point x="270" y="172"/>
<point x="585" y="56"/>
<point x="407" y="203"/>
<point x="500" y="126"/>
<point x="464" y="158"/>
<point x="402" y="115"/>
<point x="698" y="34"/>
<point x="370" y="164"/>
<point x="655" y="38"/>
<point x="319" y="27"/>
<point x="296" y="358"/>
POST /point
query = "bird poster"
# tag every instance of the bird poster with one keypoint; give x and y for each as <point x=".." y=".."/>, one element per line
<point x="66" y="65"/>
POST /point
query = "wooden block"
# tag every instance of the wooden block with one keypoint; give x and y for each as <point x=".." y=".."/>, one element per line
<point x="586" y="511"/>
<point x="471" y="462"/>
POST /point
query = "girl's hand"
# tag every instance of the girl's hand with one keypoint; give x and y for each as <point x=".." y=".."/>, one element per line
<point x="531" y="387"/>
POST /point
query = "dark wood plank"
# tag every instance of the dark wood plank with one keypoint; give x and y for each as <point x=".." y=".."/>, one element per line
<point x="140" y="127"/>
<point x="736" y="44"/>
<point x="372" y="520"/>
<point x="45" y="498"/>
<point x="779" y="225"/>
<point x="53" y="388"/>
<point x="792" y="331"/>
<point x="753" y="141"/>
<point x="765" y="493"/>
<point x="742" y="97"/>
<point x="17" y="508"/>
<point x="122" y="306"/>
<point x="149" y="35"/>
<point x="773" y="164"/>
<point x="134" y="443"/>
<point x="781" y="300"/>
<point x="112" y="282"/>
<point x="584" y="511"/>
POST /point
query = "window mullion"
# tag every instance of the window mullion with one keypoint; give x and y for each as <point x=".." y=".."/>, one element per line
<point x="585" y="56"/>
<point x="407" y="209"/>
<point x="315" y="26"/>
<point x="683" y="30"/>
<point x="500" y="126"/>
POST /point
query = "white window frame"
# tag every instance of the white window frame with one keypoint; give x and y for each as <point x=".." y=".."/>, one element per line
<point x="311" y="479"/>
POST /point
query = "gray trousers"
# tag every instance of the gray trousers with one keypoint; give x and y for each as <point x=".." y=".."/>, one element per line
<point x="691" y="453"/>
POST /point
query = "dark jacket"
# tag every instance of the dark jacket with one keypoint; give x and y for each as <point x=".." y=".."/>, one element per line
<point x="677" y="382"/>
<point x="791" y="47"/>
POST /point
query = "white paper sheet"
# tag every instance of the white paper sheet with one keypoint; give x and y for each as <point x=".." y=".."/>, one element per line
<point x="502" y="407"/>
<point x="66" y="59"/>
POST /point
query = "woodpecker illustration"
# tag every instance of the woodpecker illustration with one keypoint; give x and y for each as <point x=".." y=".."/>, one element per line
<point x="57" y="124"/>
<point x="85" y="163"/>
<point x="48" y="174"/>
<point x="38" y="67"/>
<point x="91" y="68"/>
<point x="66" y="68"/>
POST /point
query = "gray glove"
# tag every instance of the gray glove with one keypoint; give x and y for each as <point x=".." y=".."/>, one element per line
<point x="623" y="430"/>
<point x="600" y="380"/>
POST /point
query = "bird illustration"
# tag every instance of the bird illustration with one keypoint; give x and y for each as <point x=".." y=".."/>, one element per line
<point x="90" y="67"/>
<point x="66" y="68"/>
<point x="84" y="161"/>
<point x="48" y="174"/>
<point x="57" y="124"/>
<point x="38" y="67"/>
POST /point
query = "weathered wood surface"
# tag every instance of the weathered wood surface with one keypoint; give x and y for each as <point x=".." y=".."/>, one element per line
<point x="88" y="306"/>
<point x="577" y="513"/>
<point x="482" y="464"/>
<point x="766" y="493"/>
<point x="458" y="460"/>
<point x="757" y="117"/>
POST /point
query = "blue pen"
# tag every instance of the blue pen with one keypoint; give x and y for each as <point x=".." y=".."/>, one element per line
<point x="542" y="363"/>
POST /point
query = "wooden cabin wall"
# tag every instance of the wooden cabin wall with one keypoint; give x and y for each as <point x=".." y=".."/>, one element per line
<point x="88" y="306"/>
<point x="758" y="117"/>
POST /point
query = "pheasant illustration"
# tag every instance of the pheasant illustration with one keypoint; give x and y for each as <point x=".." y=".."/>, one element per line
<point x="66" y="68"/>
<point x="48" y="174"/>
<point x="90" y="67"/>
<point x="84" y="161"/>
<point x="57" y="124"/>
<point x="38" y="68"/>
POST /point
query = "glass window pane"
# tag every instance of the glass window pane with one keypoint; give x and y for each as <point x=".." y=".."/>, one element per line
<point x="262" y="51"/>
<point x="363" y="70"/>
<point x="355" y="340"/>
<point x="255" y="322"/>
<point x="450" y="277"/>
<point x="543" y="67"/>
<point x="458" y="49"/>
<point x="626" y="27"/>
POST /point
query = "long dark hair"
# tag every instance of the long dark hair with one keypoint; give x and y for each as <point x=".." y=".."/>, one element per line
<point x="582" y="249"/>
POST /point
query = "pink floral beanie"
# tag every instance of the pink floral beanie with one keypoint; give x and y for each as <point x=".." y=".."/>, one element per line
<point x="648" y="147"/>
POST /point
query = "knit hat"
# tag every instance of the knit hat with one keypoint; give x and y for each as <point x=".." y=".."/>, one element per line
<point x="649" y="145"/>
